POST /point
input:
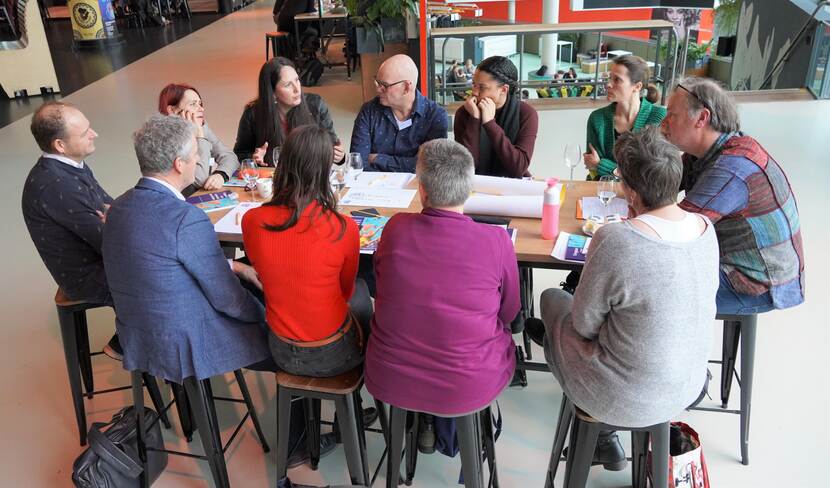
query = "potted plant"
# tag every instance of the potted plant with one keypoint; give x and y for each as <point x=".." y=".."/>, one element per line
<point x="697" y="56"/>
<point x="378" y="22"/>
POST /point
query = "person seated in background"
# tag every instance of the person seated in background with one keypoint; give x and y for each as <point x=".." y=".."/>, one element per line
<point x="306" y="256"/>
<point x="469" y="69"/>
<point x="447" y="290"/>
<point x="627" y="112"/>
<point x="392" y="126"/>
<point x="285" y="10"/>
<point x="631" y="347"/>
<point x="731" y="179"/>
<point x="280" y="106"/>
<point x="64" y="207"/>
<point x="184" y="101"/>
<point x="494" y="124"/>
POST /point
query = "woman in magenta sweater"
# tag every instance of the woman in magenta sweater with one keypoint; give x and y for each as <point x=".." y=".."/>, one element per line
<point x="494" y="124"/>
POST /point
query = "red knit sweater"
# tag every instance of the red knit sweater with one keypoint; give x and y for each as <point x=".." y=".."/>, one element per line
<point x="307" y="274"/>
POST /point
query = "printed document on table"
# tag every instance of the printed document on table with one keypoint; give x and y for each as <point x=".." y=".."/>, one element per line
<point x="592" y="206"/>
<point x="378" y="197"/>
<point x="231" y="223"/>
<point x="377" y="179"/>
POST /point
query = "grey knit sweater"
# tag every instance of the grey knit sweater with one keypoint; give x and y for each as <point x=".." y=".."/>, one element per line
<point x="633" y="348"/>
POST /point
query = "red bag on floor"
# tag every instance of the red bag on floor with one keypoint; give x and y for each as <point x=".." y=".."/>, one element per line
<point x="687" y="466"/>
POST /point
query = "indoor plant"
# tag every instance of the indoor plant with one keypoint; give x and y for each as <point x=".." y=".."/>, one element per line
<point x="379" y="21"/>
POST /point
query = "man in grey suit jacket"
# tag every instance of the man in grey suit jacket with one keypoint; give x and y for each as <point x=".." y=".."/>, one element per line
<point x="180" y="309"/>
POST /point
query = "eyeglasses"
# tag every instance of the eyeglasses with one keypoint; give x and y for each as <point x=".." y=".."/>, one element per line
<point x="705" y="105"/>
<point x="385" y="85"/>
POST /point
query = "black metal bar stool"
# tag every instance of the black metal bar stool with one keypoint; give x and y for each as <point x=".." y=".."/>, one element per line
<point x="474" y="431"/>
<point x="276" y="41"/>
<point x="75" y="338"/>
<point x="344" y="390"/>
<point x="201" y="408"/>
<point x="738" y="330"/>
<point x="583" y="440"/>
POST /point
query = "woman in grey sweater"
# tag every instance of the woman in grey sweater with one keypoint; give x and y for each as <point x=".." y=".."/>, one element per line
<point x="630" y="347"/>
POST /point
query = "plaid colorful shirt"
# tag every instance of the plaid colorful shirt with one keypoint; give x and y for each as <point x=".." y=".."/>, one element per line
<point x="747" y="196"/>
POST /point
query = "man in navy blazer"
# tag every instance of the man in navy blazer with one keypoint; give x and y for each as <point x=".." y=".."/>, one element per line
<point x="181" y="310"/>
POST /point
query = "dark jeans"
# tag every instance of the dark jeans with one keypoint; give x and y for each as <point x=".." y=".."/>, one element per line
<point x="731" y="302"/>
<point x="340" y="356"/>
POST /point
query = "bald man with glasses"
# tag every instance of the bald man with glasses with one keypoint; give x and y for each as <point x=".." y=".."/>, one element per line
<point x="392" y="126"/>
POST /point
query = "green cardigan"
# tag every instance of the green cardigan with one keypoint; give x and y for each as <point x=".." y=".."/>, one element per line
<point x="601" y="132"/>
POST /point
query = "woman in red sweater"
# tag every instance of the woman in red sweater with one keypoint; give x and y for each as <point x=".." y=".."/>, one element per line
<point x="306" y="255"/>
<point x="494" y="124"/>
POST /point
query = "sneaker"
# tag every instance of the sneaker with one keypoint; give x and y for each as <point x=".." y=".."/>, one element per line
<point x="535" y="329"/>
<point x="426" y="434"/>
<point x="609" y="453"/>
<point x="113" y="348"/>
<point x="301" y="455"/>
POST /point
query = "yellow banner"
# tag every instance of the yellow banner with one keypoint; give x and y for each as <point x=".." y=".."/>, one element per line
<point x="86" y="19"/>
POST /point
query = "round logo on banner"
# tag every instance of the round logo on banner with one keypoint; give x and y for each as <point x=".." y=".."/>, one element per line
<point x="85" y="15"/>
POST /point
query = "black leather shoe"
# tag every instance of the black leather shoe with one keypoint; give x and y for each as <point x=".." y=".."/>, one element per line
<point x="535" y="329"/>
<point x="370" y="414"/>
<point x="609" y="453"/>
<point x="113" y="348"/>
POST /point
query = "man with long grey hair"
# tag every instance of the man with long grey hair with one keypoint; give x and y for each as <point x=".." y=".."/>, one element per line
<point x="447" y="290"/>
<point x="180" y="310"/>
<point x="732" y="180"/>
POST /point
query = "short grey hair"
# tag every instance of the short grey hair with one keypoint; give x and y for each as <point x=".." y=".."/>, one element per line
<point x="161" y="140"/>
<point x="709" y="94"/>
<point x="650" y="165"/>
<point x="445" y="169"/>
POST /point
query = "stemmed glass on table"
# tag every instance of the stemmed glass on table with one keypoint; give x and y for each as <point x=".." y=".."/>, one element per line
<point x="573" y="156"/>
<point x="606" y="191"/>
<point x="249" y="172"/>
<point x="355" y="165"/>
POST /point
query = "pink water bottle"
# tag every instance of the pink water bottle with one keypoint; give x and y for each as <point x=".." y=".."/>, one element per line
<point x="550" y="210"/>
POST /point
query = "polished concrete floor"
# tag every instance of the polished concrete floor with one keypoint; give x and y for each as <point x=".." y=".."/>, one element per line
<point x="39" y="441"/>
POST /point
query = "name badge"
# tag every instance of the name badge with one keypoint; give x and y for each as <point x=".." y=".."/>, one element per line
<point x="403" y="125"/>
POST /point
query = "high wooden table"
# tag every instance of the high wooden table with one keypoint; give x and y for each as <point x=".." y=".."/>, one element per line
<point x="531" y="250"/>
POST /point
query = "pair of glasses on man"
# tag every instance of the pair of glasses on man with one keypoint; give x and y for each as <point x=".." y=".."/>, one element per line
<point x="385" y="85"/>
<point x="690" y="92"/>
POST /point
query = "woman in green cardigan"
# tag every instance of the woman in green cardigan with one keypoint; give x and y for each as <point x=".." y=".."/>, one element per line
<point x="626" y="112"/>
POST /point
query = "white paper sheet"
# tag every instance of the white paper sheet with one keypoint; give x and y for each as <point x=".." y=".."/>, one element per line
<point x="529" y="206"/>
<point x="494" y="185"/>
<point x="592" y="206"/>
<point x="228" y="224"/>
<point x="376" y="179"/>
<point x="378" y="197"/>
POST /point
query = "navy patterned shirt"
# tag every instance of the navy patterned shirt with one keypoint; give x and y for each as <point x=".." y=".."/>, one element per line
<point x="60" y="204"/>
<point x="376" y="132"/>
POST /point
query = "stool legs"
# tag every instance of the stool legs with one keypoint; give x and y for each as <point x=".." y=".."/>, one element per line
<point x="566" y="415"/>
<point x="312" y="430"/>
<point x="731" y="338"/>
<point x="138" y="405"/>
<point x="183" y="407"/>
<point x="201" y="400"/>
<point x="345" y="408"/>
<point x="581" y="446"/>
<point x="748" y="331"/>
<point x="639" y="458"/>
<point x="469" y="442"/>
<point x="411" y="451"/>
<point x="84" y="358"/>
<point x="361" y="435"/>
<point x="660" y="455"/>
<point x="486" y="417"/>
<point x="283" y="424"/>
<point x="246" y="395"/>
<point x="396" y="433"/>
<point x="155" y="395"/>
<point x="70" y="350"/>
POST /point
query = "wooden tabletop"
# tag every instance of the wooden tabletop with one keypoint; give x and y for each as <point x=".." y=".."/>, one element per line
<point x="315" y="15"/>
<point x="531" y="249"/>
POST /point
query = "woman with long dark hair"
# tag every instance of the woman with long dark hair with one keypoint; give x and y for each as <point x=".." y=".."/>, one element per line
<point x="494" y="124"/>
<point x="306" y="256"/>
<point x="279" y="107"/>
<point x="184" y="101"/>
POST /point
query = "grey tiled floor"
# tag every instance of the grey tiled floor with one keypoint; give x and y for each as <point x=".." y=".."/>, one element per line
<point x="39" y="442"/>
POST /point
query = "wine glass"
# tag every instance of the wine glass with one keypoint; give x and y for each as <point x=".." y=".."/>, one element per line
<point x="337" y="178"/>
<point x="249" y="172"/>
<point x="275" y="155"/>
<point x="355" y="163"/>
<point x="573" y="156"/>
<point x="606" y="191"/>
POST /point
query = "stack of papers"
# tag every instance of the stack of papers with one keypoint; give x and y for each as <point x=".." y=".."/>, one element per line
<point x="509" y="197"/>
<point x="376" y="179"/>
<point x="571" y="247"/>
<point x="378" y="197"/>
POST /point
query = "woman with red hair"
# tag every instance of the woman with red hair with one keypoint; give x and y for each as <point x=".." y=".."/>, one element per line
<point x="184" y="101"/>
